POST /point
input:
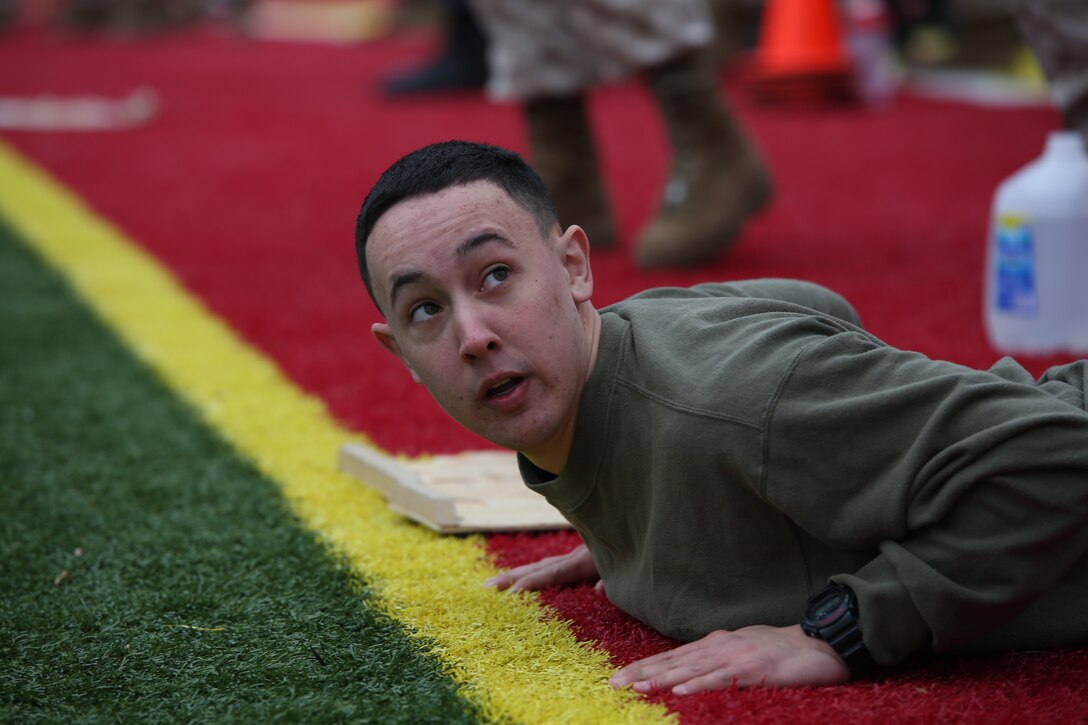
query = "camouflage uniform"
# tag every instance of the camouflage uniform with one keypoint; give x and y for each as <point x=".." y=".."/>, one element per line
<point x="564" y="47"/>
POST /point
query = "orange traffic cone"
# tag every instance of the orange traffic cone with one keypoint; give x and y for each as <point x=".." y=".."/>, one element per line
<point x="801" y="56"/>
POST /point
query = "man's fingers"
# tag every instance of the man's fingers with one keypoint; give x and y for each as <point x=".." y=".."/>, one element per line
<point x="645" y="668"/>
<point x="681" y="677"/>
<point x="536" y="580"/>
<point x="531" y="577"/>
<point x="554" y="573"/>
<point x="505" y="579"/>
<point x="661" y="670"/>
<point x="748" y="657"/>
<point x="684" y="677"/>
<point x="568" y="568"/>
<point x="500" y="581"/>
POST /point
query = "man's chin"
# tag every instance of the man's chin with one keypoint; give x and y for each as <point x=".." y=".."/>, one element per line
<point x="513" y="440"/>
<point x="511" y="443"/>
<point x="519" y="432"/>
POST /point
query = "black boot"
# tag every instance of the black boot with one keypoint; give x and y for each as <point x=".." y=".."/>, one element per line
<point x="462" y="64"/>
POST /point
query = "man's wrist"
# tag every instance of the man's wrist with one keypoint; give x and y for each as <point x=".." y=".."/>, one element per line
<point x="832" y="616"/>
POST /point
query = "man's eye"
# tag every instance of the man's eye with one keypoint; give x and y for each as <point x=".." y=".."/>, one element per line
<point x="496" y="277"/>
<point x="423" y="312"/>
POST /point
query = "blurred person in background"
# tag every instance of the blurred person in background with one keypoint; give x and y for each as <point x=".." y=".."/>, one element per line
<point x="461" y="62"/>
<point x="549" y="56"/>
<point x="1057" y="31"/>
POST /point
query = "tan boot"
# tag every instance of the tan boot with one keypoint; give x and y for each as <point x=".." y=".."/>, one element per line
<point x="717" y="179"/>
<point x="565" y="156"/>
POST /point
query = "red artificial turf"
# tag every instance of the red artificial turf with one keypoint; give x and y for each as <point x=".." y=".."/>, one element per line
<point x="1050" y="687"/>
<point x="247" y="183"/>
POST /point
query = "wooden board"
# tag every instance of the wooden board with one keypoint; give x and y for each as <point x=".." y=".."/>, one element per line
<point x="465" y="492"/>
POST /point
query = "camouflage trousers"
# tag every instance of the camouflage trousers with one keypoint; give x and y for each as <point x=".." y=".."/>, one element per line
<point x="540" y="48"/>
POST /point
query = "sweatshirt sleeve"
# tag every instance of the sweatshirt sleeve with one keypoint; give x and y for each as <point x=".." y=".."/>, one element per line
<point x="971" y="488"/>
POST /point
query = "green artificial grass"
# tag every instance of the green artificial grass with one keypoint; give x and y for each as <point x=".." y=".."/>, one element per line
<point x="147" y="573"/>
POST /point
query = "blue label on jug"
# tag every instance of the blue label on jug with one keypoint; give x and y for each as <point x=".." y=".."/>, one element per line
<point x="1014" y="268"/>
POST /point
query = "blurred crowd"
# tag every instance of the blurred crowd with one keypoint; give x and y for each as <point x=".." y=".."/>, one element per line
<point x="118" y="16"/>
<point x="925" y="31"/>
<point x="547" y="57"/>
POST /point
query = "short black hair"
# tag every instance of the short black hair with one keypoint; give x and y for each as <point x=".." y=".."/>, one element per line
<point x="443" y="165"/>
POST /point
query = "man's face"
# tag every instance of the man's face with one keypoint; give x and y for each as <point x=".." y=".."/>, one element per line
<point x="488" y="312"/>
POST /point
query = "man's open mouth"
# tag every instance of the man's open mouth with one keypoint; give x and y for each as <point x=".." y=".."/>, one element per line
<point x="503" y="387"/>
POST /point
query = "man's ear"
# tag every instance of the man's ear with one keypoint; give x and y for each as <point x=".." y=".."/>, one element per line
<point x="385" y="338"/>
<point x="574" y="246"/>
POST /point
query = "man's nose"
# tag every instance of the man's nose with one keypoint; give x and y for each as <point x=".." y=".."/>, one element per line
<point x="476" y="336"/>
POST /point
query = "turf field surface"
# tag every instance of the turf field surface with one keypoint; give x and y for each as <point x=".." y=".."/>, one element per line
<point x="242" y="192"/>
<point x="523" y="665"/>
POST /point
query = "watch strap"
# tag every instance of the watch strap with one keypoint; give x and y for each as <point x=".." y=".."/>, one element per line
<point x="841" y="630"/>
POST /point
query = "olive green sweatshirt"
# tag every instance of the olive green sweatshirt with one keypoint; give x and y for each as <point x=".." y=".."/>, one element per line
<point x="739" y="445"/>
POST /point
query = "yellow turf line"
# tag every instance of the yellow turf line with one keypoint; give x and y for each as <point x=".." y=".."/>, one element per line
<point x="504" y="655"/>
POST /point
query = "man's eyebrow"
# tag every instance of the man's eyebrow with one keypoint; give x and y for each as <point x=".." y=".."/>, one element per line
<point x="480" y="239"/>
<point x="464" y="248"/>
<point x="400" y="281"/>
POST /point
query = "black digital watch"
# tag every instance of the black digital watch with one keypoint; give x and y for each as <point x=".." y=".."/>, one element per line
<point x="832" y="615"/>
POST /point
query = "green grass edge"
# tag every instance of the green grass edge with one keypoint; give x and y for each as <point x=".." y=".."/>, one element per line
<point x="150" y="574"/>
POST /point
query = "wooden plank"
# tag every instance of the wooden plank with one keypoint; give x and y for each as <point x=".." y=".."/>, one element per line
<point x="476" y="491"/>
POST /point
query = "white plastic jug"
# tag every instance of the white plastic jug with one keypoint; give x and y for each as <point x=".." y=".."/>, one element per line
<point x="1037" y="258"/>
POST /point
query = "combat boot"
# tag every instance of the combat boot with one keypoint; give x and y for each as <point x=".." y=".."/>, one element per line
<point x="565" y="156"/>
<point x="717" y="179"/>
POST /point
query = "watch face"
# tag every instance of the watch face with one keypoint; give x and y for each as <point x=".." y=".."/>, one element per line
<point x="828" y="608"/>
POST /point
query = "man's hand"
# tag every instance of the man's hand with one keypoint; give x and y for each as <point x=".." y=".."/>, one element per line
<point x="758" y="655"/>
<point x="571" y="568"/>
